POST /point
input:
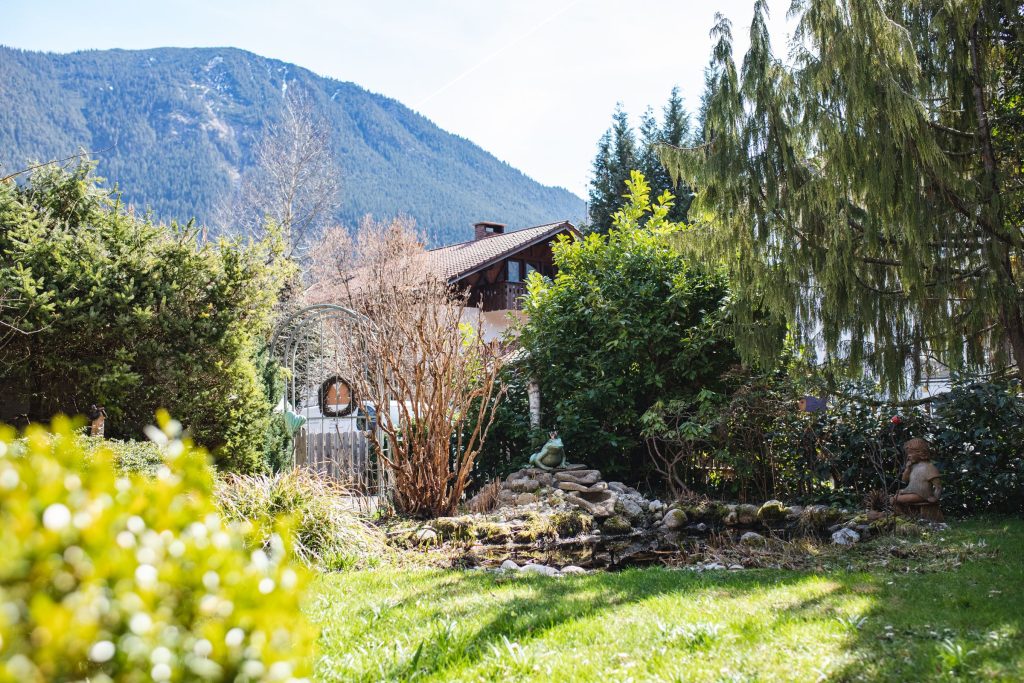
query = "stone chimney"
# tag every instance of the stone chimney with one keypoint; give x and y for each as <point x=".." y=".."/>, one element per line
<point x="487" y="229"/>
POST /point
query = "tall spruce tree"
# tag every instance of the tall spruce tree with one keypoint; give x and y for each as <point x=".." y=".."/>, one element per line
<point x="615" y="159"/>
<point x="675" y="131"/>
<point x="620" y="151"/>
<point x="866" y="193"/>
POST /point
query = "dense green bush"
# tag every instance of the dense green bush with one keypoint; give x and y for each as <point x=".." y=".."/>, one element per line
<point x="510" y="440"/>
<point x="132" y="315"/>
<point x="625" y="323"/>
<point x="128" y="457"/>
<point x="752" y="443"/>
<point x="978" y="430"/>
<point x="110" y="577"/>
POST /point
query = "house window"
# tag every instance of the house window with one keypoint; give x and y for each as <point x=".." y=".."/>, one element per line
<point x="530" y="268"/>
<point x="336" y="398"/>
<point x="515" y="271"/>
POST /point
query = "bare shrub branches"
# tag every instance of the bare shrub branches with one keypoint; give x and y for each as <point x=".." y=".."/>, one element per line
<point x="416" y="362"/>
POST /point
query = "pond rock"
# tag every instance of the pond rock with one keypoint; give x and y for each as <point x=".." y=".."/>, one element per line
<point x="845" y="537"/>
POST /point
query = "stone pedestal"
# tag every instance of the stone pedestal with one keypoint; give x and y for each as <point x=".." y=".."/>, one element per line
<point x="929" y="511"/>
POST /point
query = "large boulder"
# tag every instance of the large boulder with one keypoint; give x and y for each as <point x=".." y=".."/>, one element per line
<point x="616" y="525"/>
<point x="746" y="514"/>
<point x="845" y="537"/>
<point x="631" y="505"/>
<point x="752" y="539"/>
<point x="820" y="517"/>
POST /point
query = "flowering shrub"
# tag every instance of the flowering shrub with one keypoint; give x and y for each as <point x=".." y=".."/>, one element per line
<point x="111" y="577"/>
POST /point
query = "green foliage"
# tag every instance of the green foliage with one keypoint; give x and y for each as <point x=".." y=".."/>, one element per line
<point x="130" y="578"/>
<point x="750" y="442"/>
<point x="134" y="316"/>
<point x="129" y="457"/>
<point x="175" y="125"/>
<point x="978" y="430"/>
<point x="868" y="191"/>
<point x="625" y="323"/>
<point x="619" y="153"/>
<point x="327" y="533"/>
<point x="510" y="440"/>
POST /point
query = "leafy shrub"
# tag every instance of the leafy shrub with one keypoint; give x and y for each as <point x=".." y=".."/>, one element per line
<point x="109" y="577"/>
<point x="625" y="323"/>
<point x="978" y="432"/>
<point x="753" y="444"/>
<point x="327" y="532"/>
<point x="128" y="457"/>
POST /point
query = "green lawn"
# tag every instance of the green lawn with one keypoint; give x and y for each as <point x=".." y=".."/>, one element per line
<point x="959" y="617"/>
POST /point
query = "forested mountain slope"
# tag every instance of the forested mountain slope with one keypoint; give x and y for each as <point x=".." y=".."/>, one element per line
<point x="178" y="126"/>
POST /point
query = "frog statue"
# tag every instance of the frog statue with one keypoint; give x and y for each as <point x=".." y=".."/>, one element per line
<point x="551" y="455"/>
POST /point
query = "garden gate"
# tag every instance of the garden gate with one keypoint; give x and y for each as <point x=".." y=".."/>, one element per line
<point x="329" y="425"/>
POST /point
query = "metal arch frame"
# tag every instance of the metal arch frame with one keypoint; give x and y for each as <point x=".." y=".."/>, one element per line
<point x="306" y="326"/>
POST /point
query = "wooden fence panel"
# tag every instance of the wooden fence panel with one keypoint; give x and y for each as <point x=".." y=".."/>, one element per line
<point x="342" y="456"/>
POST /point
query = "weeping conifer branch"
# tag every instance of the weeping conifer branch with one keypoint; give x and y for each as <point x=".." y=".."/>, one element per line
<point x="883" y="165"/>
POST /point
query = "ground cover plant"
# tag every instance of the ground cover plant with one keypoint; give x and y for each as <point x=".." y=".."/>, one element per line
<point x="949" y="610"/>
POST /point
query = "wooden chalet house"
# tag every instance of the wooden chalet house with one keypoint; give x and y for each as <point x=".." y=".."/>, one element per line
<point x="493" y="267"/>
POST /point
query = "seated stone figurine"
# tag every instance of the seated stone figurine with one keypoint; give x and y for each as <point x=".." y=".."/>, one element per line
<point x="551" y="455"/>
<point x="920" y="497"/>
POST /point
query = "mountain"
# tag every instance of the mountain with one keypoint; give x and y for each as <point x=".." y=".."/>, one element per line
<point x="175" y="127"/>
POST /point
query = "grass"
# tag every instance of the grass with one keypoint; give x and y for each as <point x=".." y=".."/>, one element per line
<point x="953" y="610"/>
<point x="327" y="533"/>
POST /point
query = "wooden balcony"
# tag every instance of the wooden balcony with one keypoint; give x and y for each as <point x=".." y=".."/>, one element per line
<point x="502" y="296"/>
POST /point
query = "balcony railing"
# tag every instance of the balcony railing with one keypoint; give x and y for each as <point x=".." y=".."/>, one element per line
<point x="503" y="296"/>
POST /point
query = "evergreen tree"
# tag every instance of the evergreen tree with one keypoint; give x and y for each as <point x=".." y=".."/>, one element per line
<point x="620" y="152"/>
<point x="866" y="193"/>
<point x="615" y="159"/>
<point x="675" y="131"/>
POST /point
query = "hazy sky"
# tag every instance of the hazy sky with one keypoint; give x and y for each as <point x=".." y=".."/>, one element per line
<point x="533" y="82"/>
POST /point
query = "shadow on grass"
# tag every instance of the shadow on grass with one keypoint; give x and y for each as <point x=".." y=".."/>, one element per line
<point x="961" y="624"/>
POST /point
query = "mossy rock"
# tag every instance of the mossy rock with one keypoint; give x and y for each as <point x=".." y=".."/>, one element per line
<point x="454" y="528"/>
<point x="820" y="517"/>
<point x="493" y="533"/>
<point x="746" y="513"/>
<point x="615" y="525"/>
<point x="772" y="511"/>
<point x="570" y="523"/>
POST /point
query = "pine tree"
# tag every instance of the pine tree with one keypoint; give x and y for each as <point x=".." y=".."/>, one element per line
<point x="865" y="194"/>
<point x="619" y="152"/>
<point x="675" y="131"/>
<point x="616" y="157"/>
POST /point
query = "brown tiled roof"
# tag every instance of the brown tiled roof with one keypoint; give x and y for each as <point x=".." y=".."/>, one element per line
<point x="458" y="260"/>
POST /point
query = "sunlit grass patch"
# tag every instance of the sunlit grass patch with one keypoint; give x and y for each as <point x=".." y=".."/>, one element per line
<point x="669" y="625"/>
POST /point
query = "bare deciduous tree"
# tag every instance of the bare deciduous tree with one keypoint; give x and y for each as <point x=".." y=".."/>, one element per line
<point x="430" y="377"/>
<point x="294" y="181"/>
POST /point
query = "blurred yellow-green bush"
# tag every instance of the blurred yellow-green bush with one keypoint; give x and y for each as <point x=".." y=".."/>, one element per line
<point x="108" y="576"/>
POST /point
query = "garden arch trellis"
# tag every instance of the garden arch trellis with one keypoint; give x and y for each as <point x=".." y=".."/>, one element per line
<point x="313" y="345"/>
